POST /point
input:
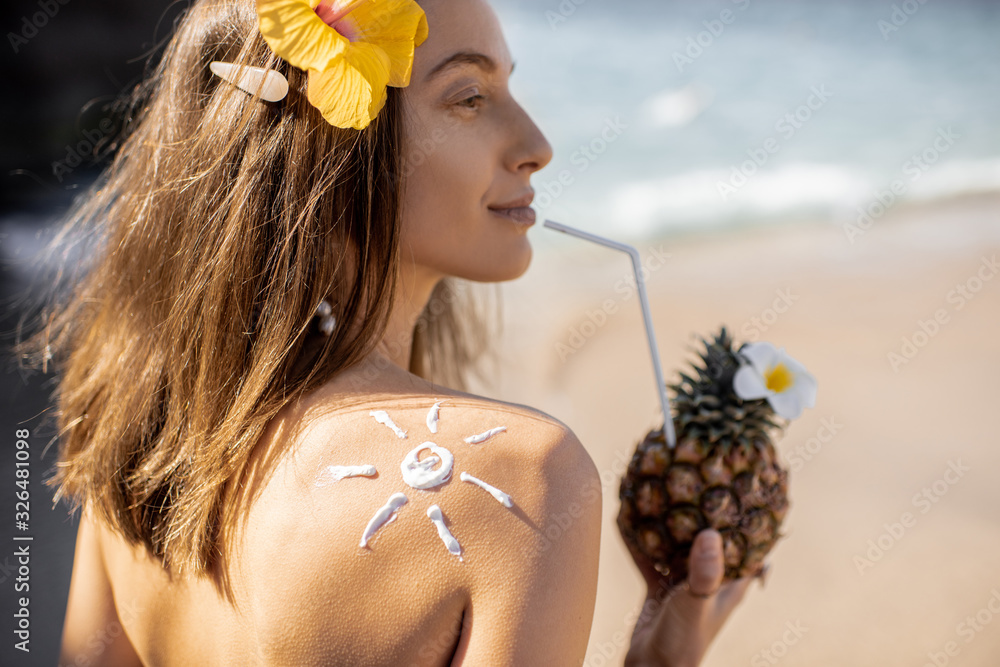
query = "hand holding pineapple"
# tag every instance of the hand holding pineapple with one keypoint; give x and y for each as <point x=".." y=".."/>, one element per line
<point x="720" y="485"/>
<point x="676" y="628"/>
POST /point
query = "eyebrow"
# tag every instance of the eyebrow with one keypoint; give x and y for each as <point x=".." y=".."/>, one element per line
<point x="480" y="60"/>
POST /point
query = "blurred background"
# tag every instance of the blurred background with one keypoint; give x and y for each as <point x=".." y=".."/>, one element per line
<point x="64" y="62"/>
<point x="824" y="176"/>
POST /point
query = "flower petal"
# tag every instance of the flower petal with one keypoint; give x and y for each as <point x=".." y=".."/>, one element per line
<point x="805" y="385"/>
<point x="787" y="404"/>
<point x="352" y="91"/>
<point x="791" y="362"/>
<point x="761" y="355"/>
<point x="395" y="26"/>
<point x="748" y="383"/>
<point x="295" y="32"/>
<point x="804" y="382"/>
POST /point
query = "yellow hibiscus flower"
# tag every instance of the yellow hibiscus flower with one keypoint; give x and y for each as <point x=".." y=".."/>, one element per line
<point x="352" y="50"/>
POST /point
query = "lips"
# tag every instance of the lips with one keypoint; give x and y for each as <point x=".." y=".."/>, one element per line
<point x="524" y="215"/>
<point x="523" y="200"/>
<point x="519" y="210"/>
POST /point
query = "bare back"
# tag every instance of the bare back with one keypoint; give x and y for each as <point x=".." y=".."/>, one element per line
<point x="496" y="574"/>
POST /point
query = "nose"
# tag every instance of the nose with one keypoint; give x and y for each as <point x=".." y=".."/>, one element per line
<point x="532" y="151"/>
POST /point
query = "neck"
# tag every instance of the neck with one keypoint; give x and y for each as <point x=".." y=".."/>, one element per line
<point x="412" y="294"/>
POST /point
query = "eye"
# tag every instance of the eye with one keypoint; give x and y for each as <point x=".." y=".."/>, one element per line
<point x="472" y="102"/>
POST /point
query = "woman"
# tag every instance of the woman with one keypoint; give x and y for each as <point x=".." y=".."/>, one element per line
<point x="229" y="442"/>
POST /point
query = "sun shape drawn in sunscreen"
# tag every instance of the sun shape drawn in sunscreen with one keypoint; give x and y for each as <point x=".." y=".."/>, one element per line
<point x="426" y="473"/>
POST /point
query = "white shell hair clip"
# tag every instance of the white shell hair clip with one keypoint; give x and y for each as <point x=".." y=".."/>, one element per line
<point x="272" y="84"/>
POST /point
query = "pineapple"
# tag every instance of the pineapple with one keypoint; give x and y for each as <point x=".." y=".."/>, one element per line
<point x="723" y="474"/>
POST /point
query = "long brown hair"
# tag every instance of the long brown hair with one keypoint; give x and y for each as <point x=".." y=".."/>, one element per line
<point x="211" y="237"/>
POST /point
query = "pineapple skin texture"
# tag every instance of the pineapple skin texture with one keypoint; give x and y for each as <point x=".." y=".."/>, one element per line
<point x="723" y="474"/>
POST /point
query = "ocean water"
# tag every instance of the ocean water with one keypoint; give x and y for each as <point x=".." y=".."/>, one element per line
<point x="668" y="116"/>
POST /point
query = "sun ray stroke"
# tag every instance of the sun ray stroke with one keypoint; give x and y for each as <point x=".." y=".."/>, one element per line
<point x="501" y="497"/>
<point x="432" y="417"/>
<point x="382" y="516"/>
<point x="336" y="473"/>
<point x="434" y="513"/>
<point x="382" y="417"/>
<point x="485" y="435"/>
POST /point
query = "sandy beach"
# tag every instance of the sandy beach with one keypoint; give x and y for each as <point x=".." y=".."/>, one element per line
<point x="892" y="554"/>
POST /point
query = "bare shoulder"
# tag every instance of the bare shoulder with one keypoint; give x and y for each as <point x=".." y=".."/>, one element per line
<point x="395" y="517"/>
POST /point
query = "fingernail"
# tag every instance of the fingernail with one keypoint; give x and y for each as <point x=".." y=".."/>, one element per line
<point x="714" y="544"/>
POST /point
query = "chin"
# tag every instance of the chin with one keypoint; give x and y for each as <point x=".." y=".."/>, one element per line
<point x="501" y="266"/>
<point x="515" y="272"/>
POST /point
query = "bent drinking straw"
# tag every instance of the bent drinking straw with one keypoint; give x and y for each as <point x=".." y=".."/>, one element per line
<point x="668" y="420"/>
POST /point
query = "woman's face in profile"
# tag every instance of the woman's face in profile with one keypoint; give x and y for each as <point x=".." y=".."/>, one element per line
<point x="469" y="147"/>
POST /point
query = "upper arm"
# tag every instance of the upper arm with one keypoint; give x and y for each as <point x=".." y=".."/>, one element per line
<point x="92" y="631"/>
<point x="535" y="603"/>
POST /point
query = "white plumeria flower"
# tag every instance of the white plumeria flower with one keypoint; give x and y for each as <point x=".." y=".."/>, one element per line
<point x="774" y="375"/>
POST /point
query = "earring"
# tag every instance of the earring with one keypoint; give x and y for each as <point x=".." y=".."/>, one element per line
<point x="272" y="84"/>
<point x="327" y="322"/>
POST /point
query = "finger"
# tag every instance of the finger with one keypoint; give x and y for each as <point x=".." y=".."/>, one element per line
<point x="705" y="564"/>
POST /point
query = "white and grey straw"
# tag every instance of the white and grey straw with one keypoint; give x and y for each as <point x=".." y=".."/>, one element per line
<point x="668" y="421"/>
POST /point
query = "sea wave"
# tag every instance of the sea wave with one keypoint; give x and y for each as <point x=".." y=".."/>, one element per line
<point x="820" y="192"/>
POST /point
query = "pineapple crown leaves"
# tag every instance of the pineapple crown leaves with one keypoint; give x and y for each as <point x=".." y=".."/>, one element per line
<point x="705" y="403"/>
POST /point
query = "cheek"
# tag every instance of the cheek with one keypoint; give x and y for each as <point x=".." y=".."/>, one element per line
<point x="446" y="186"/>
